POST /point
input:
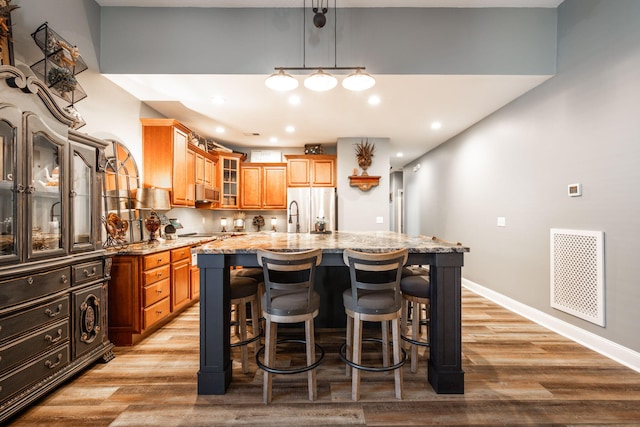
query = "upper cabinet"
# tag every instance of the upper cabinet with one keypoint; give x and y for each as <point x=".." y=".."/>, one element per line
<point x="264" y="186"/>
<point x="317" y="170"/>
<point x="229" y="179"/>
<point x="167" y="162"/>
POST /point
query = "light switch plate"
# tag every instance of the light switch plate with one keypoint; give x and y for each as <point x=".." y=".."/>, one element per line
<point x="502" y="221"/>
<point x="379" y="220"/>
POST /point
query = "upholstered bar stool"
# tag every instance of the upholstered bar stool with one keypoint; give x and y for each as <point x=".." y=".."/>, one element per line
<point x="416" y="294"/>
<point x="374" y="296"/>
<point x="289" y="297"/>
<point x="244" y="290"/>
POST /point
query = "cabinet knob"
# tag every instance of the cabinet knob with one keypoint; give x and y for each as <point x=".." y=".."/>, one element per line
<point x="159" y="273"/>
<point x="159" y="291"/>
<point x="30" y="280"/>
<point x="159" y="312"/>
<point x="159" y="260"/>
<point x="64" y="278"/>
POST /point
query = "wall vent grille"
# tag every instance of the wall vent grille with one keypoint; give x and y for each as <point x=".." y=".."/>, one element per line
<point x="577" y="273"/>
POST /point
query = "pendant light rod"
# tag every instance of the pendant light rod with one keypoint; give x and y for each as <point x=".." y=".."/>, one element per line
<point x="316" y="68"/>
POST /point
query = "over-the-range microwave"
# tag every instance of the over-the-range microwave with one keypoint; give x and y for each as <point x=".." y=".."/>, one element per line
<point x="207" y="194"/>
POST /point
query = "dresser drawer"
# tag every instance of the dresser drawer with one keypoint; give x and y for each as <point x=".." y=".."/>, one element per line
<point x="155" y="260"/>
<point x="155" y="292"/>
<point x="16" y="380"/>
<point x="181" y="253"/>
<point x="156" y="312"/>
<point x="34" y="317"/>
<point x="85" y="273"/>
<point x="34" y="286"/>
<point x="18" y="351"/>
<point x="156" y="275"/>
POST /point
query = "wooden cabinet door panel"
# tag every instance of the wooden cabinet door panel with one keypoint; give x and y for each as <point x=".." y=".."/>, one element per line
<point x="298" y="173"/>
<point x="323" y="173"/>
<point x="200" y="169"/>
<point x="179" y="194"/>
<point x="180" y="284"/>
<point x="251" y="178"/>
<point x="274" y="188"/>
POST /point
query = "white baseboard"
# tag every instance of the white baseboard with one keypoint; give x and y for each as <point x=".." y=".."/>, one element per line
<point x="590" y="340"/>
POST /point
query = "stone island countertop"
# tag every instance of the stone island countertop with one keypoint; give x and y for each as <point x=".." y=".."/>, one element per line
<point x="336" y="242"/>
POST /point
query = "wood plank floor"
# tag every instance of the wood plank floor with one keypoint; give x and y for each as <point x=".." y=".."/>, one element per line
<point x="516" y="373"/>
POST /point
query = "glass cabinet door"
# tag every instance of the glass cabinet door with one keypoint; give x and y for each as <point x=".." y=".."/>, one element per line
<point x="8" y="202"/>
<point x="83" y="198"/>
<point x="46" y="210"/>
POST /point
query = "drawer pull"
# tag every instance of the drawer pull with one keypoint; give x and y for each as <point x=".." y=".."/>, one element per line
<point x="64" y="279"/>
<point x="52" y="339"/>
<point x="159" y="273"/>
<point x="49" y="364"/>
<point x="51" y="313"/>
<point x="159" y="291"/>
<point x="159" y="260"/>
<point x="30" y="280"/>
<point x="93" y="272"/>
<point x="158" y="312"/>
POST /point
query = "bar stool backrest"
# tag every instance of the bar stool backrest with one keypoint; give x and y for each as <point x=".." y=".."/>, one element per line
<point x="375" y="272"/>
<point x="288" y="273"/>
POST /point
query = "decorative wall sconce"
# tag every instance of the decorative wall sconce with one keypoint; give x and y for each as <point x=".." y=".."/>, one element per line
<point x="223" y="224"/>
<point x="238" y="221"/>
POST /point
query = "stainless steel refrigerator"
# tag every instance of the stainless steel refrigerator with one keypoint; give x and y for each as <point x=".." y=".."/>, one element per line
<point x="306" y="205"/>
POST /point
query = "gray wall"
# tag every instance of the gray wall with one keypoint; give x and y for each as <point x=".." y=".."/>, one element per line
<point x="581" y="126"/>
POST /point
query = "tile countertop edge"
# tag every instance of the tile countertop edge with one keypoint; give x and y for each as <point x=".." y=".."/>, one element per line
<point x="377" y="241"/>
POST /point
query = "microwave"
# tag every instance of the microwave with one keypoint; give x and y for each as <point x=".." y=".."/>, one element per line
<point x="207" y="194"/>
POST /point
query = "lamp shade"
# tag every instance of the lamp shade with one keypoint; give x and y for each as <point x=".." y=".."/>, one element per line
<point x="281" y="81"/>
<point x="153" y="198"/>
<point x="358" y="80"/>
<point x="320" y="81"/>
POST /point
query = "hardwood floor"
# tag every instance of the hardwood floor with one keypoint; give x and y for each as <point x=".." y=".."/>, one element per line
<point x="516" y="373"/>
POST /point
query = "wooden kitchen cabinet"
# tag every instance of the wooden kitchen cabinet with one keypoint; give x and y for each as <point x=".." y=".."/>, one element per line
<point x="264" y="186"/>
<point x="317" y="170"/>
<point x="147" y="290"/>
<point x="229" y="179"/>
<point x="167" y="160"/>
<point x="205" y="169"/>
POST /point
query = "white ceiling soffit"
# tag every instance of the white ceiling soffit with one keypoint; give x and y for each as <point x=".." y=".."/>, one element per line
<point x="340" y="3"/>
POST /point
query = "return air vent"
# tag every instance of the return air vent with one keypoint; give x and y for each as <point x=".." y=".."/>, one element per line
<point x="577" y="273"/>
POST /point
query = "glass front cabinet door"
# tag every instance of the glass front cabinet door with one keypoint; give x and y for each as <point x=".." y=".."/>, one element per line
<point x="9" y="248"/>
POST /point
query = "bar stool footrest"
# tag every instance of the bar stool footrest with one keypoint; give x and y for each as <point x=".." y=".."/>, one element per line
<point x="343" y="356"/>
<point x="290" y="370"/>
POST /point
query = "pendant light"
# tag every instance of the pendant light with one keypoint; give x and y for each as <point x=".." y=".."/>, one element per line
<point x="358" y="81"/>
<point x="281" y="81"/>
<point x="320" y="81"/>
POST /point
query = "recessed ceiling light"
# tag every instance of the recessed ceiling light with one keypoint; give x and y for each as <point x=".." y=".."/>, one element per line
<point x="374" y="100"/>
<point x="290" y="129"/>
<point x="436" y="125"/>
<point x="273" y="140"/>
<point x="294" y="100"/>
<point x="399" y="154"/>
<point x="219" y="129"/>
<point x="218" y="100"/>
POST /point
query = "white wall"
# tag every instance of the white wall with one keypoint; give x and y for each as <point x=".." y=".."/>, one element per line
<point x="581" y="126"/>
<point x="359" y="210"/>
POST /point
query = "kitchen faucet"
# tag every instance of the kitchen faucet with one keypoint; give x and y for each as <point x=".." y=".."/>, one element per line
<point x="297" y="215"/>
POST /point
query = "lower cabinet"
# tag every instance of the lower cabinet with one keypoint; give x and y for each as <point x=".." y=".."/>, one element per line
<point x="53" y="323"/>
<point x="146" y="290"/>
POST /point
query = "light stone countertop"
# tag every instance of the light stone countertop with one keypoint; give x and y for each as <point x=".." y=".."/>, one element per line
<point x="336" y="242"/>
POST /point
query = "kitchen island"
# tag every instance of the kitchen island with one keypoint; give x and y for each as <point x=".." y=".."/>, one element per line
<point x="445" y="259"/>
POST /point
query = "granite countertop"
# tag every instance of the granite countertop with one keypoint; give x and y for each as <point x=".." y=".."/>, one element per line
<point x="144" y="248"/>
<point x="374" y="241"/>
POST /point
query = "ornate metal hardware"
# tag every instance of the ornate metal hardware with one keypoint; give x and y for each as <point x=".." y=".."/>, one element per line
<point x="51" y="313"/>
<point x="89" y="319"/>
<point x="30" y="280"/>
<point x="64" y="279"/>
<point x="93" y="272"/>
<point x="19" y="188"/>
<point x="52" y="339"/>
<point x="49" y="364"/>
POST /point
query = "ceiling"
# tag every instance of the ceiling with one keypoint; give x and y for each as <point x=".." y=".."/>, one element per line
<point x="252" y="114"/>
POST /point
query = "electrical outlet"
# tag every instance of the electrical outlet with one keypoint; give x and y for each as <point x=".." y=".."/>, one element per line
<point x="502" y="221"/>
<point x="203" y="221"/>
<point x="379" y="220"/>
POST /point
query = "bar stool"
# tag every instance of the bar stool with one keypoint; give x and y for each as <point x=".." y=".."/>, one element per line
<point x="374" y="296"/>
<point x="289" y="297"/>
<point x="416" y="294"/>
<point x="244" y="290"/>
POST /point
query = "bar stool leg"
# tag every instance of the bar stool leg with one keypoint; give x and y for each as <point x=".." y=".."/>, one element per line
<point x="269" y="357"/>
<point x="357" y="357"/>
<point x="255" y="323"/>
<point x="415" y="334"/>
<point x="241" y="308"/>
<point x="405" y="321"/>
<point x="385" y="344"/>
<point x="349" y="349"/>
<point x="395" y="327"/>
<point x="311" y="357"/>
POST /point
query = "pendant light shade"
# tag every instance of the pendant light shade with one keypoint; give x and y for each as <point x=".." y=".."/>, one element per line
<point x="320" y="81"/>
<point x="281" y="81"/>
<point x="358" y="81"/>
